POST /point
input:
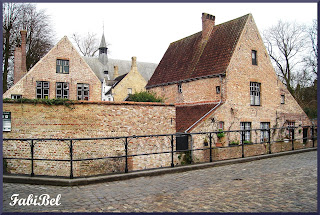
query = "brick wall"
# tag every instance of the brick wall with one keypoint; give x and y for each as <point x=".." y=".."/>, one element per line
<point x="45" y="70"/>
<point x="194" y="91"/>
<point x="88" y="120"/>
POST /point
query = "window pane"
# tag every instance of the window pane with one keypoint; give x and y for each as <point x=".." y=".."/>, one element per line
<point x="66" y="69"/>
<point x="59" y="85"/>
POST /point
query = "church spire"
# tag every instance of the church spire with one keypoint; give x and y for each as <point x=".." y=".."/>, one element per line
<point x="103" y="50"/>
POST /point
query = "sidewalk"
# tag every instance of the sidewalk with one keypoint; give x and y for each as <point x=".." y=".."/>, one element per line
<point x="42" y="180"/>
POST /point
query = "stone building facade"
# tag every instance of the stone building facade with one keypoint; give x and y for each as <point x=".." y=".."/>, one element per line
<point x="222" y="78"/>
<point x="61" y="73"/>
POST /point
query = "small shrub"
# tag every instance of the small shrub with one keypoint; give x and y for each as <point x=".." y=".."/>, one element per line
<point x="220" y="134"/>
<point x="145" y="96"/>
<point x="234" y="142"/>
<point x="186" y="159"/>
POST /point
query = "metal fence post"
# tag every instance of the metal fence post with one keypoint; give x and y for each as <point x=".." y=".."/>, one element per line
<point x="242" y="144"/>
<point x="172" y="164"/>
<point x="71" y="160"/>
<point x="312" y="137"/>
<point x="292" y="137"/>
<point x="210" y="141"/>
<point x="32" y="161"/>
<point x="126" y="148"/>
<point x="269" y="140"/>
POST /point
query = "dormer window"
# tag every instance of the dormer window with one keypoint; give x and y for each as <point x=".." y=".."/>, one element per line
<point x="254" y="57"/>
<point x="62" y="66"/>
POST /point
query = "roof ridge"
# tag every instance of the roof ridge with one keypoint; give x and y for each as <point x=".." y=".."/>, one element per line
<point x="232" y="20"/>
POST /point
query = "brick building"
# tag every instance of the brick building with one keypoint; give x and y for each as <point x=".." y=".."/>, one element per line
<point x="222" y="78"/>
<point x="63" y="73"/>
<point x="119" y="77"/>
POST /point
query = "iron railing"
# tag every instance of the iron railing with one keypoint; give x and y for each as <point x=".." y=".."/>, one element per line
<point x="170" y="147"/>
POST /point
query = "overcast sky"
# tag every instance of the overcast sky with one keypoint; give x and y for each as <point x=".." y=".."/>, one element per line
<point x="145" y="30"/>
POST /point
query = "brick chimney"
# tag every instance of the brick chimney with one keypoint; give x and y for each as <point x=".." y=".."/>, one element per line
<point x="116" y="72"/>
<point x="134" y="62"/>
<point x="208" y="21"/>
<point x="20" y="59"/>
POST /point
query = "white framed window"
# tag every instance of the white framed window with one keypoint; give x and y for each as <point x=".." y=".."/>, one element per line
<point x="129" y="91"/>
<point x="83" y="92"/>
<point x="42" y="89"/>
<point x="62" y="90"/>
<point x="264" y="133"/>
<point x="179" y="88"/>
<point x="62" y="66"/>
<point x="245" y="135"/>
<point x="6" y="121"/>
<point x="15" y="96"/>
<point x="255" y="90"/>
<point x="282" y="99"/>
<point x="254" y="57"/>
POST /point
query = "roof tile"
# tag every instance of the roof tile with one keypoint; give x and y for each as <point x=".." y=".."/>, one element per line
<point x="193" y="57"/>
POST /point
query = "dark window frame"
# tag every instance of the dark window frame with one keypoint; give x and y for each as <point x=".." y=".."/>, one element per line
<point x="264" y="132"/>
<point x="42" y="89"/>
<point x="218" y="90"/>
<point x="179" y="88"/>
<point x="64" y="90"/>
<point x="255" y="94"/>
<point x="245" y="135"/>
<point x="283" y="99"/>
<point x="254" y="57"/>
<point x="83" y="91"/>
<point x="62" y="66"/>
<point x="16" y="96"/>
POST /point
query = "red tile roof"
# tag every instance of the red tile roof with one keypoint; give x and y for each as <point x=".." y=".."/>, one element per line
<point x="188" y="114"/>
<point x="193" y="57"/>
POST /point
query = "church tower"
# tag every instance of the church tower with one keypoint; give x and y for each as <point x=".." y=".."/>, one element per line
<point x="103" y="51"/>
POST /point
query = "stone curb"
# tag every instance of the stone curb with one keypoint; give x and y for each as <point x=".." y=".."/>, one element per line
<point x="146" y="173"/>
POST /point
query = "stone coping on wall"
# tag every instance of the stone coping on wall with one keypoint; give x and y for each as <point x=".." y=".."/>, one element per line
<point x="75" y="102"/>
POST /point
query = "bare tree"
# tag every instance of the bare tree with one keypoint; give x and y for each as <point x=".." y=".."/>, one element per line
<point x="285" y="43"/>
<point x="24" y="16"/>
<point x="311" y="59"/>
<point x="11" y="13"/>
<point x="88" y="45"/>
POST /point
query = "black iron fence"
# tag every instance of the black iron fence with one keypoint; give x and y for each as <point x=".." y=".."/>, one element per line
<point x="79" y="157"/>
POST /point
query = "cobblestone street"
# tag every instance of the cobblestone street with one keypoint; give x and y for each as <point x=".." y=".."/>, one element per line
<point x="280" y="184"/>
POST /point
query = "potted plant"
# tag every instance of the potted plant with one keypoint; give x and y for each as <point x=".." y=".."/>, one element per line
<point x="286" y="138"/>
<point x="234" y="143"/>
<point x="220" y="135"/>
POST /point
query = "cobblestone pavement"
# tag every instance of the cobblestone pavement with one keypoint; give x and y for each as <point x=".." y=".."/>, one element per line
<point x="280" y="184"/>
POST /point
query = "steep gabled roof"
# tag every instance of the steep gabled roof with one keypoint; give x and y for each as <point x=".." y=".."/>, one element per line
<point x="188" y="114"/>
<point x="145" y="69"/>
<point x="193" y="57"/>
